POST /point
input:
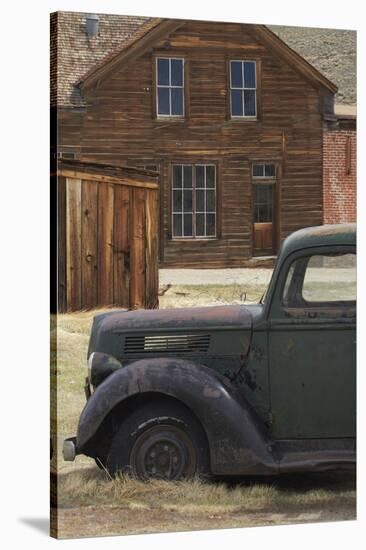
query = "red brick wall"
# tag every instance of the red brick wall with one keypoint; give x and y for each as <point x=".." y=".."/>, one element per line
<point x="339" y="175"/>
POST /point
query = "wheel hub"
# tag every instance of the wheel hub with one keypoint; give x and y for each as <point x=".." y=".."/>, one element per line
<point x="162" y="453"/>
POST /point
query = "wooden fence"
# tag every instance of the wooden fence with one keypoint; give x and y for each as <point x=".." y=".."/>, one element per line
<point x="107" y="236"/>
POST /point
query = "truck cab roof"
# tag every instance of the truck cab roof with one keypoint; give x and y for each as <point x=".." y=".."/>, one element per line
<point x="322" y="235"/>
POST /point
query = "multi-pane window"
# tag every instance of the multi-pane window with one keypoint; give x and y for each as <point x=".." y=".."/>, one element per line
<point x="194" y="200"/>
<point x="170" y="86"/>
<point x="243" y="89"/>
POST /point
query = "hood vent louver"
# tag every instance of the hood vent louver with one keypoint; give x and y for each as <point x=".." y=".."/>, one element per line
<point x="175" y="343"/>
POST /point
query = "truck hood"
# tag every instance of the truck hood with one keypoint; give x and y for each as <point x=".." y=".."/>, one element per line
<point x="160" y="319"/>
<point x="107" y="326"/>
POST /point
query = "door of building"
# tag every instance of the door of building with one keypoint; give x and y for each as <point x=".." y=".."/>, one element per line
<point x="264" y="186"/>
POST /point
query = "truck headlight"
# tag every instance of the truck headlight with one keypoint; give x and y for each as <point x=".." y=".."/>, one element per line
<point x="90" y="364"/>
<point x="100" y="366"/>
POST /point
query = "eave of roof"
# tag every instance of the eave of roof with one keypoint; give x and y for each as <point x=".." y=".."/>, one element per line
<point x="295" y="60"/>
<point x="157" y="29"/>
<point x="345" y="111"/>
<point x="152" y="31"/>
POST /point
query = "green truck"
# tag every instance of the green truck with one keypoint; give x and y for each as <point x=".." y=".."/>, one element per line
<point x="232" y="390"/>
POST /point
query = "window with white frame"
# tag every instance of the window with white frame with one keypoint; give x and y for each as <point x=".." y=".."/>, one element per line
<point x="170" y="86"/>
<point x="194" y="201"/>
<point x="264" y="170"/>
<point x="243" y="89"/>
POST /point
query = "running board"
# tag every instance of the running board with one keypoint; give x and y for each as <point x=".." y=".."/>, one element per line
<point x="317" y="461"/>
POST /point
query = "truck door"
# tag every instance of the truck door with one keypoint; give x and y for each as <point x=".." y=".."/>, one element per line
<point x="312" y="345"/>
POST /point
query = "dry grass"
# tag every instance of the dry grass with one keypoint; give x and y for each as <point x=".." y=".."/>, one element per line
<point x="90" y="486"/>
<point x="90" y="504"/>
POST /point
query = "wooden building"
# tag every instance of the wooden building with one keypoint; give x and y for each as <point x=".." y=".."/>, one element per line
<point x="228" y="115"/>
<point x="107" y="236"/>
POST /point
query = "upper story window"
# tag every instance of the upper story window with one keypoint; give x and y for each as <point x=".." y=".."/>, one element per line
<point x="243" y="89"/>
<point x="170" y="86"/>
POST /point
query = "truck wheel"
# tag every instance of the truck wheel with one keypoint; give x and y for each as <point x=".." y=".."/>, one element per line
<point x="159" y="440"/>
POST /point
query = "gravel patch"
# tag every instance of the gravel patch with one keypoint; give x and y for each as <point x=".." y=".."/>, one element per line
<point x="229" y="276"/>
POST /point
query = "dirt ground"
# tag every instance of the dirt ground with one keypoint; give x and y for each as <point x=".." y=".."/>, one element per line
<point x="90" y="504"/>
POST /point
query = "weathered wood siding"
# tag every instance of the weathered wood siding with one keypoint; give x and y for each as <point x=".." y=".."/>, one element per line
<point x="107" y="236"/>
<point x="118" y="127"/>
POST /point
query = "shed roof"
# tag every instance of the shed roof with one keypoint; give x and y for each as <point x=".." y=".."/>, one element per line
<point x="79" y="56"/>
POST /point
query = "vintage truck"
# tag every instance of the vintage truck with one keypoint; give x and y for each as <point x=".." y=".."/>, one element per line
<point x="232" y="390"/>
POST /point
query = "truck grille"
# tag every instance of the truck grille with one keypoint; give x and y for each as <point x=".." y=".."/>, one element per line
<point x="177" y="343"/>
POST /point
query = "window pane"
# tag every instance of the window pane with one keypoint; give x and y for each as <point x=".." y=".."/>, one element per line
<point x="260" y="218"/>
<point x="249" y="102"/>
<point x="236" y="103"/>
<point x="177" y="101"/>
<point x="200" y="175"/>
<point x="188" y="225"/>
<point x="210" y="225"/>
<point x="210" y="176"/>
<point x="330" y="278"/>
<point x="163" y="72"/>
<point x="236" y="74"/>
<point x="177" y="201"/>
<point x="200" y="225"/>
<point x="249" y="74"/>
<point x="187" y="177"/>
<point x="177" y="72"/>
<point x="210" y="201"/>
<point x="187" y="202"/>
<point x="263" y="203"/>
<point x="163" y="101"/>
<point x="269" y="212"/>
<point x="177" y="225"/>
<point x="177" y="176"/>
<point x="200" y="201"/>
<point x="286" y="298"/>
<point x="258" y="170"/>
<point x="270" y="170"/>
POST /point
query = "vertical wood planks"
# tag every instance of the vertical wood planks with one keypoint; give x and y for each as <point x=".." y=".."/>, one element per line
<point x="61" y="244"/>
<point x="108" y="244"/>
<point x="152" y="250"/>
<point x="89" y="240"/>
<point x="121" y="280"/>
<point x="138" y="261"/>
<point x="73" y="243"/>
<point x="105" y="244"/>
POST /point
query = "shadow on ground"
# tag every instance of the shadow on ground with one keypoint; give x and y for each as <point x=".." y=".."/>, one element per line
<point x="39" y="524"/>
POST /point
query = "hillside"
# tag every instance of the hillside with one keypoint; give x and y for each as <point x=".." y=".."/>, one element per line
<point x="331" y="51"/>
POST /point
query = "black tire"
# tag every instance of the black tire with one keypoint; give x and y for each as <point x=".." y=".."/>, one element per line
<point x="162" y="440"/>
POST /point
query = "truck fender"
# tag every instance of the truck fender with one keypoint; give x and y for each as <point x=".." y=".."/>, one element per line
<point x="237" y="441"/>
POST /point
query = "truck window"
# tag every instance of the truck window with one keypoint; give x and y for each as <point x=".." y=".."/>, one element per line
<point x="321" y="280"/>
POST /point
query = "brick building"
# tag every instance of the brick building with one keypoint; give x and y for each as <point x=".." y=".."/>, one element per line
<point x="339" y="166"/>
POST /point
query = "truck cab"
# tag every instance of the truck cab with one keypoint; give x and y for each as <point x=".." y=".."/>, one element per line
<point x="232" y="390"/>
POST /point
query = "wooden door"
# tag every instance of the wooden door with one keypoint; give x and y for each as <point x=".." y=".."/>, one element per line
<point x="263" y="218"/>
